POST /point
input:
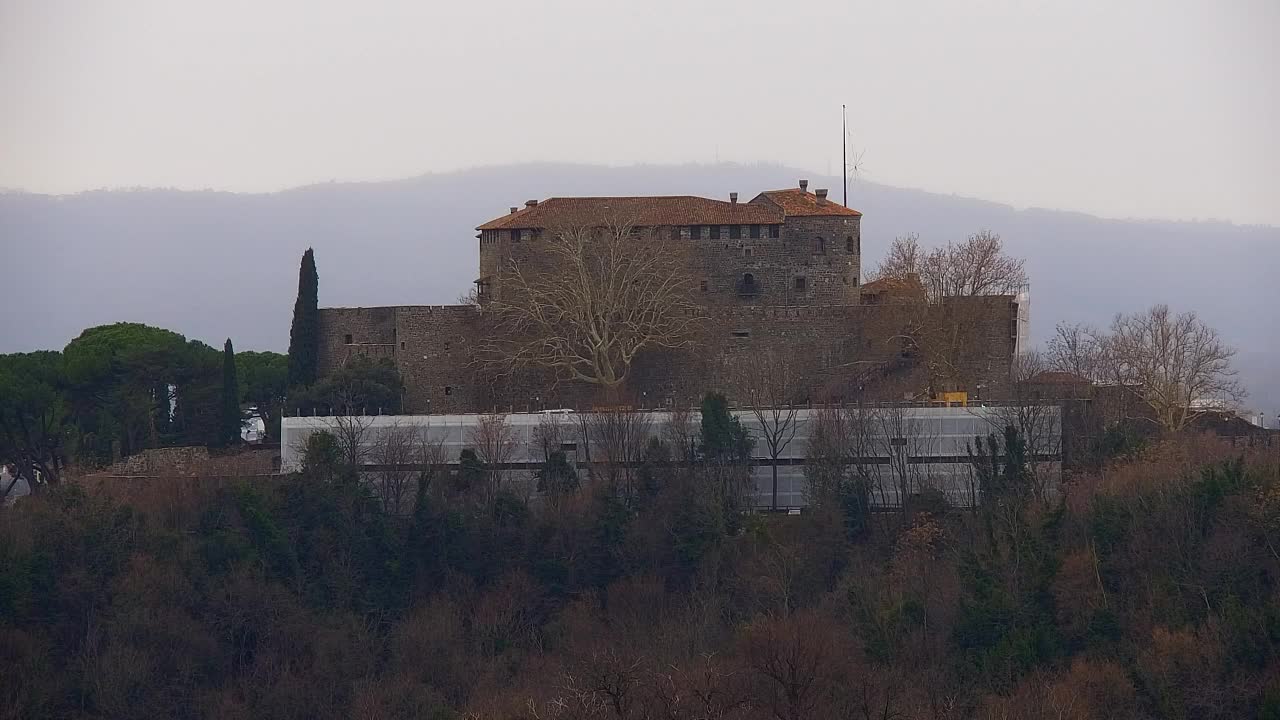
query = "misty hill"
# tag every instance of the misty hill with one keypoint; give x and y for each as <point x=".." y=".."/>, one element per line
<point x="216" y="264"/>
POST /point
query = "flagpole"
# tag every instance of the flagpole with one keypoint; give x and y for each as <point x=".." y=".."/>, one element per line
<point x="844" y="153"/>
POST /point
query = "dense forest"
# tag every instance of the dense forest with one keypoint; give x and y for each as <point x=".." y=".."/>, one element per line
<point x="1147" y="590"/>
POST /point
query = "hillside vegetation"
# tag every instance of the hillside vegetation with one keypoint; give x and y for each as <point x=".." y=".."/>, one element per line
<point x="1146" y="591"/>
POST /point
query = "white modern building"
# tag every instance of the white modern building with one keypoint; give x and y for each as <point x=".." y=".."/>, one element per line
<point x="911" y="448"/>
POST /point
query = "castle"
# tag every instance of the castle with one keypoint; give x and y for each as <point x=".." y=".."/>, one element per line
<point x="780" y="273"/>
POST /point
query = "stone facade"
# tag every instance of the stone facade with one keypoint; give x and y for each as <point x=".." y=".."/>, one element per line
<point x="779" y="273"/>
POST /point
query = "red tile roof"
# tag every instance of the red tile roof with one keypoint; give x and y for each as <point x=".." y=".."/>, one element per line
<point x="795" y="201"/>
<point x="909" y="286"/>
<point x="643" y="211"/>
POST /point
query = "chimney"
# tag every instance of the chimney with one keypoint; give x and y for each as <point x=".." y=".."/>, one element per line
<point x="804" y="186"/>
<point x="733" y="198"/>
<point x="531" y="203"/>
<point x="822" y="196"/>
<point x="513" y="209"/>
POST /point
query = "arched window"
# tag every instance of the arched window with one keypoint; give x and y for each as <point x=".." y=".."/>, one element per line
<point x="748" y="285"/>
<point x="819" y="246"/>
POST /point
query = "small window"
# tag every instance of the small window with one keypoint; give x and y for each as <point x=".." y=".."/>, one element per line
<point x="695" y="232"/>
<point x="446" y="347"/>
<point x="448" y="389"/>
<point x="715" y="232"/>
<point x="741" y="333"/>
<point x="675" y="233"/>
<point x="746" y="252"/>
<point x="848" y="243"/>
<point x="855" y="280"/>
<point x="801" y="284"/>
<point x="515" y="236"/>
<point x="774" y="231"/>
<point x="568" y="447"/>
<point x="755" y="232"/>
<point x="819" y="246"/>
<point x="636" y="230"/>
<point x="536" y="232"/>
<point x="401" y="344"/>
<point x="735" y="232"/>
<point x="703" y="286"/>
<point x="347" y="338"/>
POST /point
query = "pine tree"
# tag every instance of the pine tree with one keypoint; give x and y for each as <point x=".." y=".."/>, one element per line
<point x="232" y="421"/>
<point x="304" y="334"/>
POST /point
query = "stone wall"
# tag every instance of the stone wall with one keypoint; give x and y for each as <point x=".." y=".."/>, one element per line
<point x="824" y="253"/>
<point x="850" y="350"/>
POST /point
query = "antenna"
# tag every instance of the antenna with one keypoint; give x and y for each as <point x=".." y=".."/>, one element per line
<point x="844" y="153"/>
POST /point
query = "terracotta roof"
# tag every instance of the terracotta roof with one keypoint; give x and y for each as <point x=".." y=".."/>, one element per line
<point x="644" y="211"/>
<point x="909" y="285"/>
<point x="795" y="201"/>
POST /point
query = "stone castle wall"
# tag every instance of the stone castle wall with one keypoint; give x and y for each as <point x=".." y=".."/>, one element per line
<point x="849" y="350"/>
<point x="823" y="253"/>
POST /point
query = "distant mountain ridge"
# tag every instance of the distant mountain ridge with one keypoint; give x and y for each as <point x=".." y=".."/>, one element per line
<point x="213" y="264"/>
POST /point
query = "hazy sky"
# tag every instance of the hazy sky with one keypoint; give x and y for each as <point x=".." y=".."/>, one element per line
<point x="1167" y="109"/>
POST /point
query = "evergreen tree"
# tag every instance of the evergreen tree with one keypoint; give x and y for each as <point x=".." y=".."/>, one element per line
<point x="723" y="437"/>
<point x="232" y="421"/>
<point x="304" y="334"/>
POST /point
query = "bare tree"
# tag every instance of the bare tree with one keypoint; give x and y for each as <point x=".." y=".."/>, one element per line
<point x="549" y="435"/>
<point x="600" y="295"/>
<point x="681" y="433"/>
<point x="771" y="386"/>
<point x="978" y="266"/>
<point x="429" y="455"/>
<point x="902" y="260"/>
<point x="494" y="440"/>
<point x="1177" y="364"/>
<point x="618" y="437"/>
<point x="394" y="452"/>
<point x="353" y="438"/>
<point x="902" y="437"/>
<point x="1077" y="349"/>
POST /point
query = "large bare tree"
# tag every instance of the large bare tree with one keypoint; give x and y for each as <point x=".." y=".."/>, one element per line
<point x="596" y="297"/>
<point x="1077" y="349"/>
<point x="977" y="266"/>
<point x="1176" y="363"/>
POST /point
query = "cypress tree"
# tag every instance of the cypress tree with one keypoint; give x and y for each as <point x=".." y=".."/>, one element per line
<point x="232" y="421"/>
<point x="304" y="334"/>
